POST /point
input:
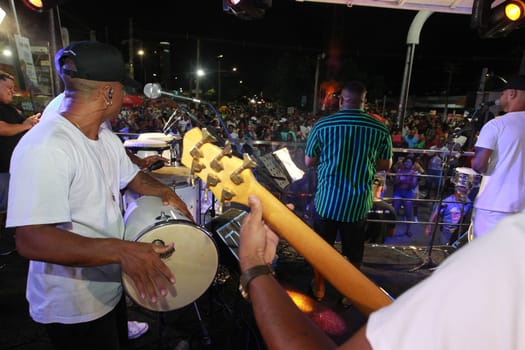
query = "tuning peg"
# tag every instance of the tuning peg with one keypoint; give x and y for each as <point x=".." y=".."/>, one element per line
<point x="206" y="138"/>
<point x="196" y="166"/>
<point x="216" y="162"/>
<point x="248" y="163"/>
<point x="227" y="195"/>
<point x="211" y="181"/>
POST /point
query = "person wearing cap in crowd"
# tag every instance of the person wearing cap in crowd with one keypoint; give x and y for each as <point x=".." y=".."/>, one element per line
<point x="68" y="218"/>
<point x="452" y="211"/>
<point x="499" y="156"/>
<point x="348" y="148"/>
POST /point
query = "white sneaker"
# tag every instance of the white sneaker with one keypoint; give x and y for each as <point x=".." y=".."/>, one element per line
<point x="136" y="329"/>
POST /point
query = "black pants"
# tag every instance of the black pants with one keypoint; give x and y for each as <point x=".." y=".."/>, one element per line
<point x="352" y="236"/>
<point x="110" y="332"/>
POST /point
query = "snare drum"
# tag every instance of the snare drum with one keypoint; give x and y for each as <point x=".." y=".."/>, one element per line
<point x="174" y="142"/>
<point x="144" y="147"/>
<point x="195" y="259"/>
<point x="467" y="178"/>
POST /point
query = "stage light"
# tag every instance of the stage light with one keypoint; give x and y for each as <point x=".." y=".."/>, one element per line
<point x="497" y="21"/>
<point x="42" y="5"/>
<point x="514" y="10"/>
<point x="247" y="9"/>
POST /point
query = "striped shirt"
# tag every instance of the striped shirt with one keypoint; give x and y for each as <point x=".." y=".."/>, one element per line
<point x="347" y="145"/>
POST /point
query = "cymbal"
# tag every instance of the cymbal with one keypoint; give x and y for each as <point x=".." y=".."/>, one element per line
<point x="173" y="170"/>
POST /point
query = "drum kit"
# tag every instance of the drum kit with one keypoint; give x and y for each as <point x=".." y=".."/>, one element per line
<point x="195" y="259"/>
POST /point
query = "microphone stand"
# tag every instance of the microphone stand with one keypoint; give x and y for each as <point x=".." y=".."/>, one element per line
<point x="428" y="263"/>
<point x="221" y="121"/>
<point x="481" y="111"/>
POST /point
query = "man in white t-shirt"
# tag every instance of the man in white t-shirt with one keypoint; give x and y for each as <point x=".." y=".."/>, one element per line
<point x="500" y="157"/>
<point x="67" y="215"/>
<point x="135" y="328"/>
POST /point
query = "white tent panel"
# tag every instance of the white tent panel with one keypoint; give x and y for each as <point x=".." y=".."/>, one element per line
<point x="448" y="6"/>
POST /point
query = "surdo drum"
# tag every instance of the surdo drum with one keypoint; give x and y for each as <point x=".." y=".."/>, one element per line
<point x="194" y="262"/>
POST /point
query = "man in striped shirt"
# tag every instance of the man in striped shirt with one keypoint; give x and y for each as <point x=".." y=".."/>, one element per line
<point x="348" y="148"/>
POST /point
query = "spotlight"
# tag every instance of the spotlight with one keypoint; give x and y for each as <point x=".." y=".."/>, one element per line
<point x="514" y="10"/>
<point x="41" y="5"/>
<point x="500" y="20"/>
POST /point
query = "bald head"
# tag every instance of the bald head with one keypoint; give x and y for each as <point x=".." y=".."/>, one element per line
<point x="353" y="95"/>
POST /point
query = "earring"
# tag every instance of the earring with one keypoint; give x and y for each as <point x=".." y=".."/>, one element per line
<point x="108" y="103"/>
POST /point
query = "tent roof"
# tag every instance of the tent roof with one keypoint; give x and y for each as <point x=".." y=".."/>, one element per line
<point x="449" y="6"/>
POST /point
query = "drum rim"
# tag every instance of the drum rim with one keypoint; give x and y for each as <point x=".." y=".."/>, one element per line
<point x="126" y="286"/>
<point x="172" y="221"/>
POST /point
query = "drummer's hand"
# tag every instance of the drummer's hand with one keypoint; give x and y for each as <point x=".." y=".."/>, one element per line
<point x="258" y="243"/>
<point x="170" y="197"/>
<point x="141" y="262"/>
<point x="148" y="161"/>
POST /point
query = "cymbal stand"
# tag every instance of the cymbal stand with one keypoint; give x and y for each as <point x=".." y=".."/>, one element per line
<point x="206" y="339"/>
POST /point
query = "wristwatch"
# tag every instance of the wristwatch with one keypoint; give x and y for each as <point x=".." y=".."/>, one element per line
<point x="248" y="275"/>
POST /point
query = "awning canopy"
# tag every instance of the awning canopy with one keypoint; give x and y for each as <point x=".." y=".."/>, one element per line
<point x="448" y="6"/>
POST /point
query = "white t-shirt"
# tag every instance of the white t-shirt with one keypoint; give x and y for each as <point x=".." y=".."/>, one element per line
<point x="59" y="176"/>
<point x="503" y="187"/>
<point x="474" y="300"/>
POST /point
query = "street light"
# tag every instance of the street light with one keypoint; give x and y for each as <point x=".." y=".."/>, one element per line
<point x="141" y="54"/>
<point x="199" y="72"/>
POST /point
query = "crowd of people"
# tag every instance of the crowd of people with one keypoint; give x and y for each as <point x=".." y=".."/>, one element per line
<point x="76" y="291"/>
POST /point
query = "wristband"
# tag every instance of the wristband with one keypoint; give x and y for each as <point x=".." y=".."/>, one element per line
<point x="248" y="275"/>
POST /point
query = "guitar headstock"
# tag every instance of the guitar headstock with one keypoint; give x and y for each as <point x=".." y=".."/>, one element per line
<point x="228" y="177"/>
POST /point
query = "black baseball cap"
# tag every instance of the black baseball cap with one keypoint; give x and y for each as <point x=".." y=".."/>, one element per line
<point x="516" y="82"/>
<point x="94" y="61"/>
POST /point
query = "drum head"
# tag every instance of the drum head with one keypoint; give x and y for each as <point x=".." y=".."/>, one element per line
<point x="194" y="264"/>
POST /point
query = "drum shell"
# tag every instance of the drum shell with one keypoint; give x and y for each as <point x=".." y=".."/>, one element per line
<point x="194" y="261"/>
<point x="188" y="194"/>
<point x="466" y="177"/>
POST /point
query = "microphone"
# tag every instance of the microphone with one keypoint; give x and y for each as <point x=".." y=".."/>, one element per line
<point x="153" y="90"/>
<point x="490" y="103"/>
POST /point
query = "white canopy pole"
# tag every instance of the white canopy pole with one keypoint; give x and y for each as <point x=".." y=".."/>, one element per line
<point x="412" y="40"/>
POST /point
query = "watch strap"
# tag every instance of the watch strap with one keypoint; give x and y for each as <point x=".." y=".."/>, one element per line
<point x="248" y="275"/>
